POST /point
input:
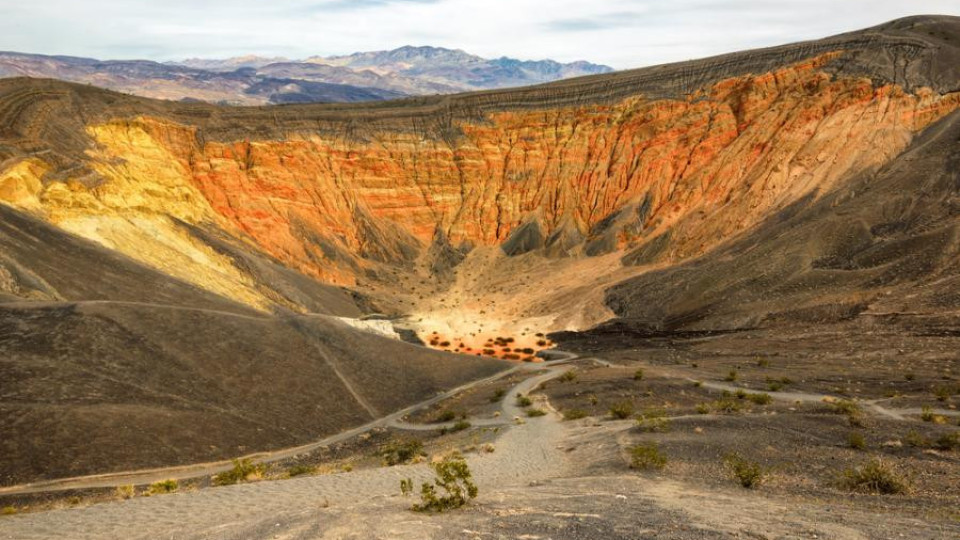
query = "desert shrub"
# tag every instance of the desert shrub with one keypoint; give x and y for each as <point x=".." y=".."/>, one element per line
<point x="164" y="486"/>
<point x="299" y="470"/>
<point x="523" y="401"/>
<point x="406" y="486"/>
<point x="697" y="384"/>
<point x="243" y="469"/>
<point x="453" y="477"/>
<point x="621" y="410"/>
<point x="647" y="456"/>
<point x="568" y="376"/>
<point x="541" y="343"/>
<point x="536" y="412"/>
<point x="927" y="415"/>
<point x="654" y="421"/>
<point x="593" y="399"/>
<point x="511" y="356"/>
<point x="851" y="409"/>
<point x="942" y="393"/>
<point x="856" y="441"/>
<point x="732" y="376"/>
<point x="9" y="510"/>
<point x="775" y="385"/>
<point x="914" y="439"/>
<point x="874" y="476"/>
<point x="948" y="441"/>
<point x="398" y="451"/>
<point x="574" y="414"/>
<point x="763" y="362"/>
<point x="460" y="426"/>
<point x="125" y="492"/>
<point x="740" y="394"/>
<point x="748" y="473"/>
<point x="727" y="405"/>
<point x="445" y="416"/>
<point x="760" y="399"/>
<point x="909" y="376"/>
<point x="638" y="375"/>
<point x="703" y="408"/>
<point x="498" y="395"/>
<point x="845" y="406"/>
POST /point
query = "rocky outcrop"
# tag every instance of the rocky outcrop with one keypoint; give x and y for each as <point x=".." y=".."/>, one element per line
<point x="676" y="158"/>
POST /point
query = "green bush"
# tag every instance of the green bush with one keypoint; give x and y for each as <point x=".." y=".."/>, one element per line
<point x="536" y="412"/>
<point x="399" y="451"/>
<point x="523" y="401"/>
<point x="948" y="441"/>
<point x="445" y="416"/>
<point x="732" y="376"/>
<point x="875" y="476"/>
<point x="453" y="477"/>
<point x="406" y="486"/>
<point x="243" y="469"/>
<point x="574" y="414"/>
<point x="164" y="486"/>
<point x="9" y="510"/>
<point x="621" y="410"/>
<point x="460" y="426"/>
<point x="727" y="405"/>
<point x="703" y="408"/>
<point x="748" y="473"/>
<point x="845" y="406"/>
<point x="498" y="395"/>
<point x="856" y="441"/>
<point x="914" y="439"/>
<point x="647" y="456"/>
<point x="653" y="421"/>
<point x="943" y="393"/>
<point x="638" y="375"/>
<point x="760" y="399"/>
<point x="568" y="376"/>
<point x="299" y="470"/>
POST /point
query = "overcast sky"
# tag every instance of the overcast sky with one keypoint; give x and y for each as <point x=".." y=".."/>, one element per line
<point x="620" y="33"/>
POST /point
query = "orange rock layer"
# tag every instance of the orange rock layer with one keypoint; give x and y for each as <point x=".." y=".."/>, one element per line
<point x="702" y="168"/>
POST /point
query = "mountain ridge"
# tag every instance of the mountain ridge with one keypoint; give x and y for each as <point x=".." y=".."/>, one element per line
<point x="253" y="80"/>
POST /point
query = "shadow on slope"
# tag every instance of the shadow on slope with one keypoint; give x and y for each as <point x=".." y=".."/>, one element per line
<point x="108" y="365"/>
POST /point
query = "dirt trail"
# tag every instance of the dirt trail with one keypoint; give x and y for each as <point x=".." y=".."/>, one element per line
<point x="809" y="397"/>
<point x="524" y="454"/>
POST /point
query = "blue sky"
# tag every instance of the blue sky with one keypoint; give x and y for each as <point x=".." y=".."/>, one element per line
<point x="621" y="33"/>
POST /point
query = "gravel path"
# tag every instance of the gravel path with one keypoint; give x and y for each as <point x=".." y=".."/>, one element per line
<point x="524" y="454"/>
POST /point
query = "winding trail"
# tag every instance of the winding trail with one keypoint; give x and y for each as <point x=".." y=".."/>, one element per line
<point x="524" y="452"/>
<point x="812" y="397"/>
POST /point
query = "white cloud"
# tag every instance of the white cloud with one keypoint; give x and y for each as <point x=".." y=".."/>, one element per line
<point x="622" y="33"/>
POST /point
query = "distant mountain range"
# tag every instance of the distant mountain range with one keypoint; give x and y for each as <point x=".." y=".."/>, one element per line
<point x="255" y="80"/>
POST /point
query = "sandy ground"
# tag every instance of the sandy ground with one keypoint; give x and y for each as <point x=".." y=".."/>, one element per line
<point x="545" y="479"/>
<point x="494" y="296"/>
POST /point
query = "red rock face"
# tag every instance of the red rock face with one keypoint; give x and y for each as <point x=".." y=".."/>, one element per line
<point x="702" y="168"/>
